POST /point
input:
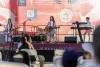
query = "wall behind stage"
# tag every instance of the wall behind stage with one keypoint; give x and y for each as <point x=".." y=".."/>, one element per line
<point x="64" y="11"/>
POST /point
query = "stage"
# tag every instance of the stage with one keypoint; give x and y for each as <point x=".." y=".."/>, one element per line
<point x="46" y="46"/>
<point x="45" y="49"/>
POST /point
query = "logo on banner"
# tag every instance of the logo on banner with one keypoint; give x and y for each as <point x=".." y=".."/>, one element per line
<point x="65" y="15"/>
<point x="58" y="1"/>
<point x="71" y="1"/>
<point x="32" y="14"/>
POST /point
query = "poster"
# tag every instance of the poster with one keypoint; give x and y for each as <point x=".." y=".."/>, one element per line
<point x="21" y="2"/>
<point x="32" y="14"/>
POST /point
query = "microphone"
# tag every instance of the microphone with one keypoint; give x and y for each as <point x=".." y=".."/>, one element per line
<point x="29" y="19"/>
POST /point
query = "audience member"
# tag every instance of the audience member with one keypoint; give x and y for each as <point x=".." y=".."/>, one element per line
<point x="26" y="44"/>
<point x="88" y="54"/>
<point x="69" y="58"/>
<point x="26" y="41"/>
<point x="27" y="38"/>
<point x="93" y="50"/>
<point x="96" y="43"/>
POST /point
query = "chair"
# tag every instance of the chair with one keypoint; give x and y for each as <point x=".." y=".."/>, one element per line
<point x="18" y="57"/>
<point x="12" y="64"/>
<point x="33" y="58"/>
<point x="57" y="58"/>
<point x="58" y="52"/>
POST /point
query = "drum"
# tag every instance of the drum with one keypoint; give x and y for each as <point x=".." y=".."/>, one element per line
<point x="42" y="38"/>
<point x="39" y="31"/>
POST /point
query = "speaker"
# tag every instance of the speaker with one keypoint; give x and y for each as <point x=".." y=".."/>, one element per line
<point x="35" y="38"/>
<point x="39" y="38"/>
<point x="70" y="40"/>
<point x="16" y="39"/>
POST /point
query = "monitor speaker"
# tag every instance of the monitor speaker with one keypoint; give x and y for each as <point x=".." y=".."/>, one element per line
<point x="70" y="40"/>
<point x="16" y="39"/>
<point x="35" y="38"/>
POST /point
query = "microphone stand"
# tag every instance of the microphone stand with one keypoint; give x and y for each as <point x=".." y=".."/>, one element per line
<point x="24" y="25"/>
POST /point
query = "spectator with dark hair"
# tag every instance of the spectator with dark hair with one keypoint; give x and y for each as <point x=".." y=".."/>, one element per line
<point x="69" y="58"/>
<point x="26" y="40"/>
<point x="26" y="44"/>
<point x="96" y="43"/>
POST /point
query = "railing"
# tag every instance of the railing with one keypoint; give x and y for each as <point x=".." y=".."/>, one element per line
<point x="32" y="30"/>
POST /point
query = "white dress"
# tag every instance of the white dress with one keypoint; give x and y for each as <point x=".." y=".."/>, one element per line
<point x="88" y="24"/>
<point x="50" y="23"/>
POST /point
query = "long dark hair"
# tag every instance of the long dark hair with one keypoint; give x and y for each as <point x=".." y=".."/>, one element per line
<point x="52" y="18"/>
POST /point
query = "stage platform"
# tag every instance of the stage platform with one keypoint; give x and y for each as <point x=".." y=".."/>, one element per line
<point x="45" y="49"/>
<point x="46" y="46"/>
<point x="54" y="46"/>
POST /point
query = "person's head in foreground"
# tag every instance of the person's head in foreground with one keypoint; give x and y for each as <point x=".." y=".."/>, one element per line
<point x="96" y="43"/>
<point x="69" y="58"/>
